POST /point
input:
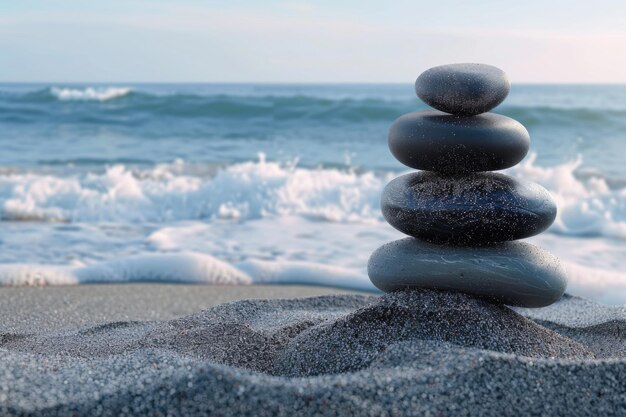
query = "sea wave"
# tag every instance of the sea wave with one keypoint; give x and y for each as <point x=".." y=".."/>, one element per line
<point x="89" y="93"/>
<point x="277" y="108"/>
<point x="582" y="117"/>
<point x="588" y="206"/>
<point x="166" y="193"/>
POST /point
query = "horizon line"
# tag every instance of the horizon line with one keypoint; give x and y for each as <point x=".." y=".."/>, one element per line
<point x="591" y="83"/>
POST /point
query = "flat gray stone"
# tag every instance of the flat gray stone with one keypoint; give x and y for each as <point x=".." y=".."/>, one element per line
<point x="513" y="273"/>
<point x="463" y="89"/>
<point x="434" y="141"/>
<point x="469" y="209"/>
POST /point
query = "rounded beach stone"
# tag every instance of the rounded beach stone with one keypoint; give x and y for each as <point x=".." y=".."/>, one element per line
<point x="434" y="141"/>
<point x="463" y="89"/>
<point x="475" y="208"/>
<point x="513" y="273"/>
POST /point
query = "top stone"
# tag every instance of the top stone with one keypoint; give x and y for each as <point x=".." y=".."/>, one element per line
<point x="463" y="89"/>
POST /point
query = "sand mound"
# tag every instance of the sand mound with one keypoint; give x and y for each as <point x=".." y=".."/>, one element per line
<point x="351" y="343"/>
<point x="249" y="334"/>
<point x="407" y="353"/>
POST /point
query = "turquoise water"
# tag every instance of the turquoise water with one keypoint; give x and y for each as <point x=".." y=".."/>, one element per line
<point x="319" y="124"/>
<point x="269" y="178"/>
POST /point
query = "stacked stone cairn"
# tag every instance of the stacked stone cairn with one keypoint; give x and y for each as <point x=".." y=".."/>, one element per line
<point x="464" y="221"/>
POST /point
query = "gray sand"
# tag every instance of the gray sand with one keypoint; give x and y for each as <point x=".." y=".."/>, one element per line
<point x="37" y="309"/>
<point x="417" y="353"/>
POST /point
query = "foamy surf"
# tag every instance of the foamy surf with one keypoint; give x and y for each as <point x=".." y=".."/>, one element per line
<point x="187" y="268"/>
<point x="262" y="189"/>
<point x="86" y="191"/>
<point x="197" y="268"/>
<point x="598" y="284"/>
<point x="248" y="190"/>
<point x="263" y="222"/>
<point x="89" y="93"/>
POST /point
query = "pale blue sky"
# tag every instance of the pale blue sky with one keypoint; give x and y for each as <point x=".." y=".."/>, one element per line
<point x="308" y="41"/>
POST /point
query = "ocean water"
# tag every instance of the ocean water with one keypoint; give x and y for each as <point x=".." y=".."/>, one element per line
<point x="237" y="184"/>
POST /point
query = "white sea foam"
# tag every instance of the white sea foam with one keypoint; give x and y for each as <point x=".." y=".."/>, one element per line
<point x="90" y="93"/>
<point x="262" y="189"/>
<point x="25" y="275"/>
<point x="595" y="283"/>
<point x="307" y="273"/>
<point x="262" y="222"/>
<point x="244" y="191"/>
<point x="601" y="285"/>
<point x="192" y="268"/>
<point x="585" y="207"/>
<point x="188" y="267"/>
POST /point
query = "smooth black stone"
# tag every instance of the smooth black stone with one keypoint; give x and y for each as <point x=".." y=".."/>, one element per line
<point x="514" y="273"/>
<point x="463" y="89"/>
<point x="476" y="208"/>
<point x="434" y="141"/>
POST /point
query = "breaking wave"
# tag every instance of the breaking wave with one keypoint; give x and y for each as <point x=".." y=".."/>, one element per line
<point x="89" y="93"/>
<point x="588" y="206"/>
<point x="166" y="193"/>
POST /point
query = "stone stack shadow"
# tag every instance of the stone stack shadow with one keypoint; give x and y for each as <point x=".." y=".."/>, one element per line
<point x="464" y="221"/>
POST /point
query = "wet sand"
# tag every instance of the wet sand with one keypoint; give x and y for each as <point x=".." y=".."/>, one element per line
<point x="34" y="309"/>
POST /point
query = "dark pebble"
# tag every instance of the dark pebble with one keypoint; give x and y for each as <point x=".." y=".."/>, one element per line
<point x="513" y="273"/>
<point x="470" y="209"/>
<point x="463" y="89"/>
<point x="434" y="141"/>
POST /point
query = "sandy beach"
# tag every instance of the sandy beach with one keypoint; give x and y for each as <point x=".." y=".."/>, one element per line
<point x="177" y="350"/>
<point x="32" y="310"/>
<point x="312" y="209"/>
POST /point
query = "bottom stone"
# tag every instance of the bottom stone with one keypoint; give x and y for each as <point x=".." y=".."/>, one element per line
<point x="514" y="273"/>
